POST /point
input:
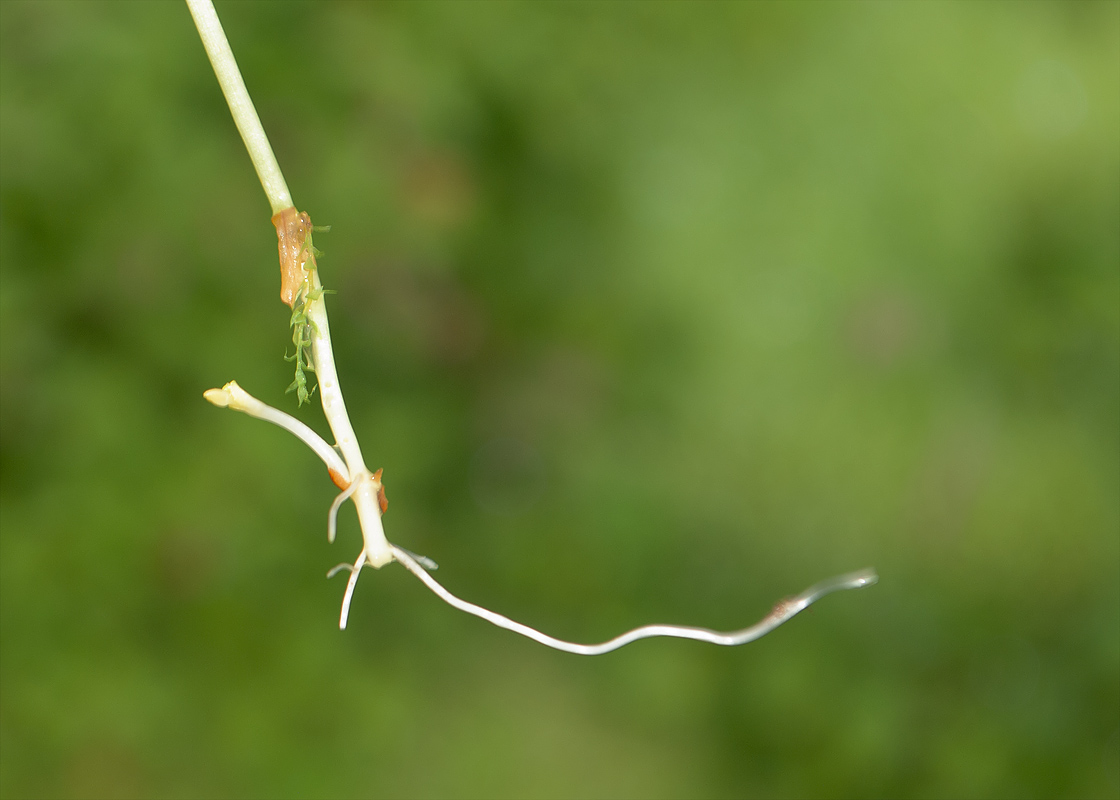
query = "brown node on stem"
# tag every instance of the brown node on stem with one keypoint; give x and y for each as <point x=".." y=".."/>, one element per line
<point x="337" y="479"/>
<point x="781" y="606"/>
<point x="292" y="228"/>
<point x="381" y="500"/>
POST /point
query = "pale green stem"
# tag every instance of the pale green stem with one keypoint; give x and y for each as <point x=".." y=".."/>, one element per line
<point x="375" y="547"/>
<point x="240" y="105"/>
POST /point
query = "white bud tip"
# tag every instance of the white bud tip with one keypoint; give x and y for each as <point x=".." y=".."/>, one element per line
<point x="230" y="395"/>
<point x="219" y="397"/>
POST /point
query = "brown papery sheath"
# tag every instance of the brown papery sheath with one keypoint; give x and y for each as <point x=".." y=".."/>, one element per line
<point x="292" y="228"/>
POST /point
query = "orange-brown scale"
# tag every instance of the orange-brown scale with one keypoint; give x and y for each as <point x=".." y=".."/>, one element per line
<point x="381" y="500"/>
<point x="781" y="606"/>
<point x="292" y="229"/>
<point x="338" y="480"/>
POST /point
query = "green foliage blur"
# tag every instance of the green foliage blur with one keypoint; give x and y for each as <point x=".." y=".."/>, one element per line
<point x="651" y="313"/>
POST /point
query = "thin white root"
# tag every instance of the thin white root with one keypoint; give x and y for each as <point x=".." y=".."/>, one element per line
<point x="332" y="516"/>
<point x="782" y="611"/>
<point x="354" y="570"/>
<point x="423" y="561"/>
<point x="338" y="568"/>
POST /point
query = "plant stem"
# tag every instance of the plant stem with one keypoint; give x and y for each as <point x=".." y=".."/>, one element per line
<point x="366" y="500"/>
<point x="366" y="495"/>
<point x="240" y="104"/>
<point x="359" y="484"/>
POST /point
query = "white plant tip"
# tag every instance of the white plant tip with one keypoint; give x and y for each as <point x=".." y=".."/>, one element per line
<point x="219" y="397"/>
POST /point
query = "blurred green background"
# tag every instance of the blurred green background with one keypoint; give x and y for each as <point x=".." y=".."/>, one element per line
<point x="651" y="313"/>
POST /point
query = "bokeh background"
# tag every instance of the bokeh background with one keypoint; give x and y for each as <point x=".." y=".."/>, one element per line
<point x="651" y="312"/>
